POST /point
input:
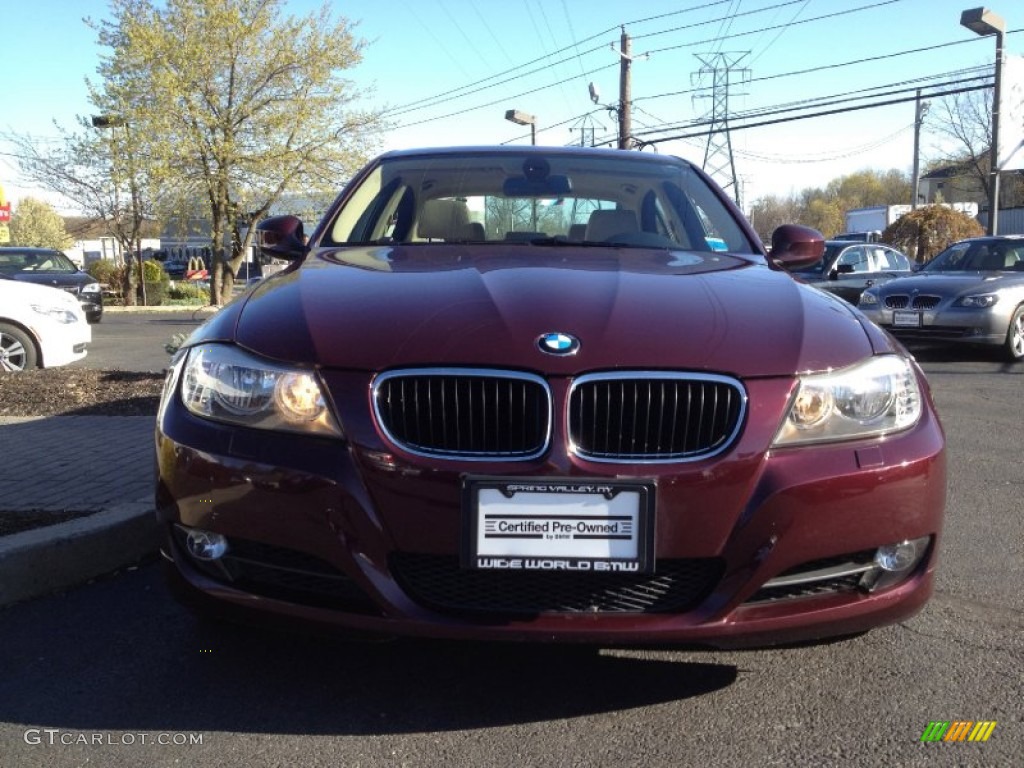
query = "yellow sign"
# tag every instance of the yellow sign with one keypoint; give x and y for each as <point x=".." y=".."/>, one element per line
<point x="5" y="216"/>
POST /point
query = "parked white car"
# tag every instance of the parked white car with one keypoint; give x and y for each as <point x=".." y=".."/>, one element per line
<point x="40" y="327"/>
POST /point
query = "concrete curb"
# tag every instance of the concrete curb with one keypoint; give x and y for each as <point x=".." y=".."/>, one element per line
<point x="208" y="308"/>
<point x="45" y="560"/>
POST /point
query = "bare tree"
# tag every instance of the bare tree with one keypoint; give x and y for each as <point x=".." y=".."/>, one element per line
<point x="96" y="168"/>
<point x="964" y="120"/>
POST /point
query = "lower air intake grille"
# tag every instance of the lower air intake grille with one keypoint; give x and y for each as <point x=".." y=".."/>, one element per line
<point x="827" y="576"/>
<point x="437" y="582"/>
<point x="282" y="574"/>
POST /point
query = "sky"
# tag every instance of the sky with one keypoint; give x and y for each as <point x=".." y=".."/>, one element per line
<point x="448" y="70"/>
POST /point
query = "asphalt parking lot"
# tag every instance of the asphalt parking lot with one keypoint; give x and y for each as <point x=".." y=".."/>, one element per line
<point x="115" y="673"/>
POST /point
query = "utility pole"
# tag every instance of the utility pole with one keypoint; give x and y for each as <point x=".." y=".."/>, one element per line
<point x="919" y="112"/>
<point x="625" y="91"/>
<point x="622" y="110"/>
<point x="718" y="157"/>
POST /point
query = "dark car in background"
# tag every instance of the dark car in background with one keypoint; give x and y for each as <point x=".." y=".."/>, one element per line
<point x="46" y="266"/>
<point x="971" y="293"/>
<point x="848" y="267"/>
<point x="549" y="395"/>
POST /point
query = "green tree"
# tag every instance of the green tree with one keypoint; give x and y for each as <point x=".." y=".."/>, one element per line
<point x="826" y="216"/>
<point x="868" y="188"/>
<point x="37" y="224"/>
<point x="825" y="208"/>
<point x="236" y="104"/>
<point x="924" y="232"/>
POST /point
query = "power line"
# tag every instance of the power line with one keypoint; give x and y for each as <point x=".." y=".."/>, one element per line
<point x="824" y="113"/>
<point x="778" y="34"/>
<point x="857" y="95"/>
<point x="824" y="67"/>
<point x="765" y="29"/>
<point x="486" y="83"/>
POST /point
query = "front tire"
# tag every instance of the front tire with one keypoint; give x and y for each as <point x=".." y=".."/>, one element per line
<point x="17" y="350"/>
<point x="1013" y="348"/>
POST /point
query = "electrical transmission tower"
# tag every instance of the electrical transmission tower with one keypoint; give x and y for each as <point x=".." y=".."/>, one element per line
<point x="588" y="127"/>
<point x="718" y="158"/>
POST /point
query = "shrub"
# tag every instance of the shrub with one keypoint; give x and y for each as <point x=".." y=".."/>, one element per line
<point x="157" y="283"/>
<point x="179" y="290"/>
<point x="923" y="233"/>
<point x="153" y="272"/>
<point x="187" y="293"/>
<point x="106" y="271"/>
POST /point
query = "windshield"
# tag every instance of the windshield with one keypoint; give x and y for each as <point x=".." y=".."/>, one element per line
<point x="13" y="262"/>
<point x="624" y="200"/>
<point x="979" y="256"/>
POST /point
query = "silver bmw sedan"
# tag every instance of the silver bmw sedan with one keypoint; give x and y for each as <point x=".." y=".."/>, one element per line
<point x="971" y="293"/>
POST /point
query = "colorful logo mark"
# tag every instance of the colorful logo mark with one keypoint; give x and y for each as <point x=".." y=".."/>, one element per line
<point x="958" y="730"/>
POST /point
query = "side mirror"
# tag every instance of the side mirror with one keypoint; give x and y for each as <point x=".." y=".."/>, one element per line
<point x="840" y="269"/>
<point x="281" y="237"/>
<point x="794" y="246"/>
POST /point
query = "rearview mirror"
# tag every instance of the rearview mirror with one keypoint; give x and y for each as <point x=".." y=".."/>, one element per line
<point x="281" y="237"/>
<point x="548" y="186"/>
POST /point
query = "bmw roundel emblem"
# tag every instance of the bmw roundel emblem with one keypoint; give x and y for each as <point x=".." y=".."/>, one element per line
<point x="558" y="344"/>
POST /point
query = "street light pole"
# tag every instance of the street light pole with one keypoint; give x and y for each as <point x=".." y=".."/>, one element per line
<point x="984" y="22"/>
<point x="919" y="112"/>
<point x="110" y="122"/>
<point x="522" y="118"/>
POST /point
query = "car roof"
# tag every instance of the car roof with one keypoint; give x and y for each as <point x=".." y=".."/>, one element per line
<point x="1012" y="237"/>
<point x="27" y="249"/>
<point x="519" y="150"/>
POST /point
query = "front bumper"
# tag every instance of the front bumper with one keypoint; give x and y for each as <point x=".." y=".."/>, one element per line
<point x="61" y="343"/>
<point x="325" y="533"/>
<point x="945" y="324"/>
<point x="92" y="306"/>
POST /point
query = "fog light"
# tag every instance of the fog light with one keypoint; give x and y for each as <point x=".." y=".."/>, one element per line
<point x="205" y="545"/>
<point x="893" y="563"/>
<point x="897" y="557"/>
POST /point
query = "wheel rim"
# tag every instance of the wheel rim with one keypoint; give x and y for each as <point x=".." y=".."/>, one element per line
<point x="1017" y="335"/>
<point x="12" y="354"/>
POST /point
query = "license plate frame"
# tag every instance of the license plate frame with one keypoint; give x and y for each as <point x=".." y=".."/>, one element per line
<point x="906" y="319"/>
<point x="558" y="524"/>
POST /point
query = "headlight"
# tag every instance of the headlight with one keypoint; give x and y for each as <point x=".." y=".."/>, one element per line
<point x="60" y="314"/>
<point x="981" y="301"/>
<point x="872" y="398"/>
<point x="224" y="383"/>
<point x="91" y="288"/>
<point x="868" y="299"/>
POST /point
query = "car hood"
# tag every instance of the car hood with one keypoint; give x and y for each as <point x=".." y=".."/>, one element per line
<point x="55" y="279"/>
<point x="16" y="293"/>
<point x="948" y="283"/>
<point x="379" y="308"/>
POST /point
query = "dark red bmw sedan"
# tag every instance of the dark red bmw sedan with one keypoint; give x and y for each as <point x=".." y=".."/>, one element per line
<point x="548" y="394"/>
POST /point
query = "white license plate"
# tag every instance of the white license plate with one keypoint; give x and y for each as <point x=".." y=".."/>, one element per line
<point x="526" y="524"/>
<point x="906" y="319"/>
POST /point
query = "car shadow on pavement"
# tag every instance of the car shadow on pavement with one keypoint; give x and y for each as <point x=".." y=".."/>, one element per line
<point x="120" y="655"/>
